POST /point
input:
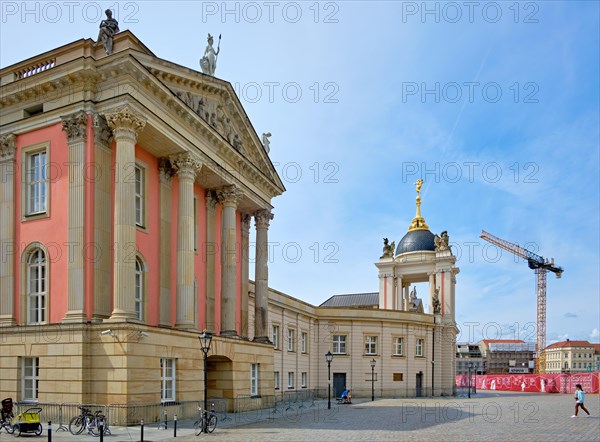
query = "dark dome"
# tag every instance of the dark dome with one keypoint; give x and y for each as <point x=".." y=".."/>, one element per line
<point x="416" y="240"/>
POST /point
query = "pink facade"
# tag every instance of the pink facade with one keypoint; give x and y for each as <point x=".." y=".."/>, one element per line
<point x="534" y="383"/>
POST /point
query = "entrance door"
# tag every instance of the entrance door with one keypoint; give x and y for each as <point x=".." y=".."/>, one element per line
<point x="339" y="383"/>
<point x="419" y="384"/>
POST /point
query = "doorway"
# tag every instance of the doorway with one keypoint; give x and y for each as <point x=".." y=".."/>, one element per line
<point x="339" y="383"/>
<point x="419" y="384"/>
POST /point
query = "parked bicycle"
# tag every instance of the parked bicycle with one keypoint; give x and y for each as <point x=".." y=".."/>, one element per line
<point x="88" y="420"/>
<point x="207" y="420"/>
<point x="7" y="415"/>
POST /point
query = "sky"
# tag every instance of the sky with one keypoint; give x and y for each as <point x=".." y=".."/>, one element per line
<point x="494" y="104"/>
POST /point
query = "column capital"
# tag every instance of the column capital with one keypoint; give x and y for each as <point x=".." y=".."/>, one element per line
<point x="211" y="200"/>
<point x="185" y="165"/>
<point x="75" y="126"/>
<point x="262" y="218"/>
<point x="246" y="218"/>
<point x="229" y="195"/>
<point x="125" y="122"/>
<point x="102" y="133"/>
<point x="8" y="147"/>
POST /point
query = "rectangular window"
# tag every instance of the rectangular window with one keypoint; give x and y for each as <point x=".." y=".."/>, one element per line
<point x="370" y="345"/>
<point x="291" y="379"/>
<point x="398" y="377"/>
<point x="398" y="346"/>
<point x="254" y="379"/>
<point x="139" y="196"/>
<point x="275" y="336"/>
<point x="277" y="385"/>
<point x="167" y="379"/>
<point x="304" y="342"/>
<point x="339" y="344"/>
<point x="304" y="379"/>
<point x="291" y="334"/>
<point x="36" y="179"/>
<point x="30" y="377"/>
<point x="419" y="347"/>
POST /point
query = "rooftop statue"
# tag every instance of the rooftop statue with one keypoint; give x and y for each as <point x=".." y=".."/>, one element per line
<point x="442" y="242"/>
<point x="208" y="63"/>
<point x="388" y="250"/>
<point x="108" y="28"/>
<point x="266" y="142"/>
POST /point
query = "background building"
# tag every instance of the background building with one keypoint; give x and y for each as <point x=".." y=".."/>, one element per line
<point x="469" y="354"/>
<point x="572" y="357"/>
<point x="128" y="186"/>
<point x="507" y="356"/>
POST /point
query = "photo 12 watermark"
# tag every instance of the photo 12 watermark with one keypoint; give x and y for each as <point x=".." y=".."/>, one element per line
<point x="270" y="12"/>
<point x="470" y="91"/>
<point x="67" y="12"/>
<point x="470" y="12"/>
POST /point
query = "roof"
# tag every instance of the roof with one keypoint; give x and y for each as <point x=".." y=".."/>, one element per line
<point x="502" y="341"/>
<point x="569" y="343"/>
<point x="353" y="300"/>
<point x="416" y="240"/>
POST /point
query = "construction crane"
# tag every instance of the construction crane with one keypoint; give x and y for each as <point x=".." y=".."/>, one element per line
<point x="541" y="266"/>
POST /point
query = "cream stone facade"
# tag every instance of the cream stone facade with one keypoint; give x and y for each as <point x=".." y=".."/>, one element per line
<point x="572" y="357"/>
<point x="128" y="189"/>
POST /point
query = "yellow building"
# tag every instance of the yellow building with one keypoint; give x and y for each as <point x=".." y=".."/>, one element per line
<point x="572" y="357"/>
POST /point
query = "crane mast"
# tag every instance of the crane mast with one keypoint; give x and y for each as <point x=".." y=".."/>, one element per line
<point x="541" y="266"/>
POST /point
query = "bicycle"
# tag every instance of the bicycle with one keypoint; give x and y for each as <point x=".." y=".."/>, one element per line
<point x="7" y="415"/>
<point x="210" y="419"/>
<point x="88" y="420"/>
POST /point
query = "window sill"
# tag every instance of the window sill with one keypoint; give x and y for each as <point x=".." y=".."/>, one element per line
<point x="33" y="216"/>
<point x="398" y="356"/>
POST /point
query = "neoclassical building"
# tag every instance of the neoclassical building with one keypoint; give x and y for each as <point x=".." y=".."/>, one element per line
<point x="128" y="188"/>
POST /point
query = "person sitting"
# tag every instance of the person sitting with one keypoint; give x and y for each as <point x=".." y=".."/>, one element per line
<point x="346" y="397"/>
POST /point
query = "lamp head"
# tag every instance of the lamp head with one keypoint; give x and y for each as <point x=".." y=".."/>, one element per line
<point x="329" y="357"/>
<point x="373" y="362"/>
<point x="205" y="340"/>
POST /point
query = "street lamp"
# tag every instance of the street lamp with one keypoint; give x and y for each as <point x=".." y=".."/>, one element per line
<point x="470" y="365"/>
<point x="373" y="362"/>
<point x="205" y="340"/>
<point x="329" y="358"/>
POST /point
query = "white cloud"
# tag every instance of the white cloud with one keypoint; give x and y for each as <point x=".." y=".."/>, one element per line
<point x="595" y="334"/>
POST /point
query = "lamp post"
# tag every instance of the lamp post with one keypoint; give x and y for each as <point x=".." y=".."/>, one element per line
<point x="470" y="365"/>
<point x="329" y="358"/>
<point x="205" y="340"/>
<point x="373" y="362"/>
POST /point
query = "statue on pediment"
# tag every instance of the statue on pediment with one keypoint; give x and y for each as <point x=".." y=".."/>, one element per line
<point x="441" y="242"/>
<point x="388" y="249"/>
<point x="208" y="63"/>
<point x="108" y="28"/>
<point x="265" y="140"/>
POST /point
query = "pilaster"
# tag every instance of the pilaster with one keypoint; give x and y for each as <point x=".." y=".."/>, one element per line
<point x="261" y="303"/>
<point x="165" y="176"/>
<point x="245" y="270"/>
<point x="75" y="126"/>
<point x="7" y="229"/>
<point x="210" y="250"/>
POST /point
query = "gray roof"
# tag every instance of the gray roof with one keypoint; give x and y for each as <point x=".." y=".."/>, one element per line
<point x="353" y="300"/>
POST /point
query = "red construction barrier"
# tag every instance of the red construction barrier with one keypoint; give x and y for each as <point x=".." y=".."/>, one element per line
<point x="539" y="383"/>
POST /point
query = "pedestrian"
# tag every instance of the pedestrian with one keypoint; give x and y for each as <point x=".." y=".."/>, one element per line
<point x="579" y="400"/>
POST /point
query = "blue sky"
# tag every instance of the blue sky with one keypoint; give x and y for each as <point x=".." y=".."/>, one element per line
<point x="495" y="105"/>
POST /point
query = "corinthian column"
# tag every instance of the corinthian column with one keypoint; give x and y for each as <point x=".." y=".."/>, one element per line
<point x="229" y="197"/>
<point x="209" y="255"/>
<point x="126" y="126"/>
<point x="261" y="301"/>
<point x="7" y="229"/>
<point x="185" y="167"/>
<point x="245" y="270"/>
<point x="75" y="126"/>
<point x="166" y="172"/>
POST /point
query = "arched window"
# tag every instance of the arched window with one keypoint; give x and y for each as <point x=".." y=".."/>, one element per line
<point x="37" y="287"/>
<point x="139" y="288"/>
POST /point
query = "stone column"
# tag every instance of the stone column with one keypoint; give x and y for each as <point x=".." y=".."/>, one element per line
<point x="245" y="270"/>
<point x="405" y="297"/>
<point x="431" y="291"/>
<point x="185" y="167"/>
<point x="261" y="301"/>
<point x="102" y="157"/>
<point x="229" y="197"/>
<point x="210" y="251"/>
<point x="398" y="292"/>
<point x="7" y="229"/>
<point x="126" y="125"/>
<point x="165" y="174"/>
<point x="75" y="126"/>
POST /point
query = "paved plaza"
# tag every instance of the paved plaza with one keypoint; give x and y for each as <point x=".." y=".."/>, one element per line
<point x="488" y="416"/>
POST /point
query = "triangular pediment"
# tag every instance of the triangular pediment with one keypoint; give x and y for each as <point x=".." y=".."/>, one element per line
<point x="215" y="102"/>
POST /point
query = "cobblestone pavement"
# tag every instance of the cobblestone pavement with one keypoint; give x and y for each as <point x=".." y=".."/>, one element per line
<point x="487" y="416"/>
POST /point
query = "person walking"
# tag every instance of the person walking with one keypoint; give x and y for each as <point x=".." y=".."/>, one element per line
<point x="580" y="399"/>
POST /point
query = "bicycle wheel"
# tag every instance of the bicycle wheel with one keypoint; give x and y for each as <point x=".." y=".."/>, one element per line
<point x="198" y="427"/>
<point x="212" y="423"/>
<point x="38" y="431"/>
<point x="76" y="425"/>
<point x="8" y="427"/>
<point x="92" y="427"/>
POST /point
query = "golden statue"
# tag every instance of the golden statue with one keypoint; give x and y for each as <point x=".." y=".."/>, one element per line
<point x="418" y="185"/>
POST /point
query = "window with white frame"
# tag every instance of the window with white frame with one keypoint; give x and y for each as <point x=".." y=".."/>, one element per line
<point x="254" y="379"/>
<point x="291" y="335"/>
<point x="290" y="379"/>
<point x="275" y="336"/>
<point x="304" y="342"/>
<point x="370" y="345"/>
<point x="139" y="288"/>
<point x="36" y="178"/>
<point x="167" y="379"/>
<point x="30" y="377"/>
<point x="399" y="346"/>
<point x="303" y="379"/>
<point x="37" y="286"/>
<point x="140" y="206"/>
<point x="339" y="344"/>
<point x="277" y="384"/>
<point x="419" y="347"/>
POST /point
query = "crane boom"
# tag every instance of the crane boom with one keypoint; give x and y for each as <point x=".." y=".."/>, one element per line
<point x="540" y="265"/>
